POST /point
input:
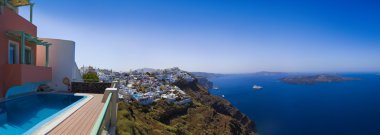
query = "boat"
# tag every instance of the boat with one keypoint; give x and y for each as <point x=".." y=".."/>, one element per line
<point x="215" y="88"/>
<point x="257" y="87"/>
<point x="222" y="95"/>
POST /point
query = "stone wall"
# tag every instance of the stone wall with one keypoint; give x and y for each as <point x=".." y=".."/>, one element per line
<point x="82" y="87"/>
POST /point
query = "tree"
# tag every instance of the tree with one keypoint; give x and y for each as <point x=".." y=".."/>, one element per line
<point x="147" y="73"/>
<point x="90" y="77"/>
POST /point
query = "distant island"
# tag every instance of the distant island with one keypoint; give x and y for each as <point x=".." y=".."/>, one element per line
<point x="203" y="78"/>
<point x="267" y="73"/>
<point x="315" y="79"/>
<point x="261" y="73"/>
<point x="207" y="75"/>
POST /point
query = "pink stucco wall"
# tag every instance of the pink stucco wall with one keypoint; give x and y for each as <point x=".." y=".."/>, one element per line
<point x="11" y="21"/>
<point x="19" y="74"/>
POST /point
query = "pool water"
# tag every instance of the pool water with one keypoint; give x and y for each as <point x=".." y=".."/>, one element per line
<point x="137" y="96"/>
<point x="20" y="115"/>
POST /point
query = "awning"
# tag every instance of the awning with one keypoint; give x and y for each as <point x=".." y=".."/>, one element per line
<point x="28" y="38"/>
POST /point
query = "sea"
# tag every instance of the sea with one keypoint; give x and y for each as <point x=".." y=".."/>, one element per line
<point x="339" y="108"/>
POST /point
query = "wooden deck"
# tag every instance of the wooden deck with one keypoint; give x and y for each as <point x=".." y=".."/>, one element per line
<point x="82" y="120"/>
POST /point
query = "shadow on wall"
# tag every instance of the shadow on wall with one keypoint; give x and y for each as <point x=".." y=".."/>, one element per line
<point x="26" y="88"/>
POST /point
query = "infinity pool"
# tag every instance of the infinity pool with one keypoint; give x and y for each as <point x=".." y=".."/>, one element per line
<point x="25" y="114"/>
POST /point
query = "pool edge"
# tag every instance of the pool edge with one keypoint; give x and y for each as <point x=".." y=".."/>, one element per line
<point x="48" y="126"/>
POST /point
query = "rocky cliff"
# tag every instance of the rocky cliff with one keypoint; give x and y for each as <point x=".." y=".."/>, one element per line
<point x="207" y="115"/>
<point x="204" y="82"/>
<point x="238" y="122"/>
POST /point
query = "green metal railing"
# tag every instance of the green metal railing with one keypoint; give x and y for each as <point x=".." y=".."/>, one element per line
<point x="14" y="6"/>
<point x="5" y="3"/>
<point x="102" y="121"/>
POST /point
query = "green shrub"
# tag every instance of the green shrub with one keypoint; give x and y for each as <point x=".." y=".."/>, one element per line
<point x="90" y="77"/>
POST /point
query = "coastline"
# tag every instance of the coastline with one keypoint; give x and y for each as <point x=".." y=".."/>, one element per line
<point x="208" y="114"/>
<point x="327" y="101"/>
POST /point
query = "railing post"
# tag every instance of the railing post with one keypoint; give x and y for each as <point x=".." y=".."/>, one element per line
<point x="115" y="84"/>
<point x="31" y="12"/>
<point x="22" y="48"/>
<point x="47" y="56"/>
<point x="112" y="107"/>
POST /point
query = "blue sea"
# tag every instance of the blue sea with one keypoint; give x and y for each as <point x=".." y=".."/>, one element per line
<point x="344" y="108"/>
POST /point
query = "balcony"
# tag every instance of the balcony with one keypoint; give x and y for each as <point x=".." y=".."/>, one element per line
<point x="8" y="19"/>
<point x="19" y="74"/>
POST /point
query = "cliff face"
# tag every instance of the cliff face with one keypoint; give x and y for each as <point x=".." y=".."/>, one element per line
<point x="207" y="115"/>
<point x="238" y="122"/>
<point x="204" y="82"/>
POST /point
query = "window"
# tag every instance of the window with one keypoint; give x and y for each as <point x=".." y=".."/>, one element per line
<point x="28" y="55"/>
<point x="13" y="52"/>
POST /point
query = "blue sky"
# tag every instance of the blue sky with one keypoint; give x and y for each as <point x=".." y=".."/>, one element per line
<point x="226" y="36"/>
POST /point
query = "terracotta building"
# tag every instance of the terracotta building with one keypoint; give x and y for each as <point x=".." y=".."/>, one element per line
<point x="19" y="72"/>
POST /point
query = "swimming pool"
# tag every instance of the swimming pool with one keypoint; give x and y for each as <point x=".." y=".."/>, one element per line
<point x="37" y="112"/>
<point x="137" y="96"/>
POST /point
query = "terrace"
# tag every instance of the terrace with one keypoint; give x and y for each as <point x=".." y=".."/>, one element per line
<point x="97" y="116"/>
<point x="73" y="113"/>
<point x="83" y="120"/>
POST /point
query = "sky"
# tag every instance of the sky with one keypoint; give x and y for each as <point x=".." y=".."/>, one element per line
<point x="220" y="36"/>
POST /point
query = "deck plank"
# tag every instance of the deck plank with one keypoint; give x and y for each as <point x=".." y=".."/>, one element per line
<point x="82" y="120"/>
<point x="66" y="124"/>
<point x="88" y="121"/>
<point x="79" y="119"/>
<point x="91" y="123"/>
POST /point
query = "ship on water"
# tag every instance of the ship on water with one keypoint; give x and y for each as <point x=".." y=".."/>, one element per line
<point x="257" y="87"/>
